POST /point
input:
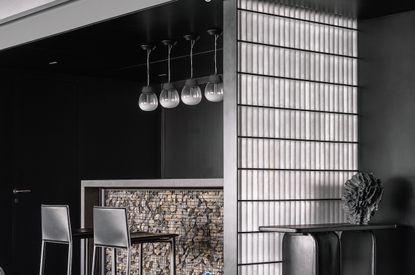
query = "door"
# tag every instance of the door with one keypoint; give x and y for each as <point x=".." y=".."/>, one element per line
<point x="5" y="170"/>
<point x="44" y="166"/>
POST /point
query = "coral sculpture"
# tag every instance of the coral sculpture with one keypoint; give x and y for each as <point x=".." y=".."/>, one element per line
<point x="361" y="196"/>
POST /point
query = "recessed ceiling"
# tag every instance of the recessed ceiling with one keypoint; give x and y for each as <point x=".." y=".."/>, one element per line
<point x="112" y="49"/>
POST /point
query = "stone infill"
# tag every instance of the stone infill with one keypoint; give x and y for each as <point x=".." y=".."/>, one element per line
<point x="196" y="215"/>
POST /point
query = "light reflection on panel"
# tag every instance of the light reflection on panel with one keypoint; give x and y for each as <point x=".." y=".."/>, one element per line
<point x="290" y="124"/>
<point x="296" y="94"/>
<point x="271" y="269"/>
<point x="272" y="7"/>
<point x="289" y="185"/>
<point x="263" y="213"/>
<point x="259" y="247"/>
<point x="299" y="155"/>
<point x="292" y="33"/>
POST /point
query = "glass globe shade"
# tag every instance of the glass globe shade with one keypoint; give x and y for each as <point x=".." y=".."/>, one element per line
<point x="169" y="96"/>
<point x="148" y="99"/>
<point x="191" y="93"/>
<point x="214" y="89"/>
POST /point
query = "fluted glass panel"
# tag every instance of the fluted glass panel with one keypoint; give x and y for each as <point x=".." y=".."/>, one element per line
<point x="262" y="245"/>
<point x="255" y="214"/>
<point x="295" y="64"/>
<point x="290" y="124"/>
<point x="296" y="94"/>
<point x="294" y="33"/>
<point x="291" y="185"/>
<point x="297" y="123"/>
<point x="299" y="155"/>
<point x="278" y="9"/>
<point x="260" y="269"/>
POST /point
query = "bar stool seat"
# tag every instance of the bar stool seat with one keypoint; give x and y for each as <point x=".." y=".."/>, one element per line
<point x="111" y="230"/>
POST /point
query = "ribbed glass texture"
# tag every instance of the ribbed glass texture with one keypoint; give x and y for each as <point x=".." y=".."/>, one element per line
<point x="262" y="245"/>
<point x="254" y="214"/>
<point x="291" y="185"/>
<point x="297" y="123"/>
<point x="274" y="269"/>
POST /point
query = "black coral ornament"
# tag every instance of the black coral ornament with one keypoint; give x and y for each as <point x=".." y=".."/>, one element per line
<point x="361" y="197"/>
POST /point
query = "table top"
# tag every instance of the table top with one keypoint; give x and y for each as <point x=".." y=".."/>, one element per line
<point x="327" y="227"/>
<point x="138" y="236"/>
<point x="83" y="233"/>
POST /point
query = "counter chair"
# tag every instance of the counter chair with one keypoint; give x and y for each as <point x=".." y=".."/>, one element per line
<point x="111" y="230"/>
<point x="56" y="228"/>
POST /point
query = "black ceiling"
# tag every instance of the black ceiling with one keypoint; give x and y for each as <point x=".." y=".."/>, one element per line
<point x="112" y="48"/>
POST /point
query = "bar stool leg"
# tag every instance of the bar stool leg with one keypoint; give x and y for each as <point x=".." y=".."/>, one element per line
<point x="128" y="261"/>
<point x="173" y="256"/>
<point x="93" y="260"/>
<point x="42" y="258"/>
<point x="69" y="270"/>
<point x="140" y="261"/>
<point x="114" y="261"/>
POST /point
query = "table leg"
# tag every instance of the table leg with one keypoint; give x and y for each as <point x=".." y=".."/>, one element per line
<point x="173" y="256"/>
<point x="311" y="254"/>
<point x="140" y="261"/>
<point x="358" y="253"/>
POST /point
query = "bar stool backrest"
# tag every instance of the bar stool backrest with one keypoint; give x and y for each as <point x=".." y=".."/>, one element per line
<point x="111" y="227"/>
<point x="56" y="224"/>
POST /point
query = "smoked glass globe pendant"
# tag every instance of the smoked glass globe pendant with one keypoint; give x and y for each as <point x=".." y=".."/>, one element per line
<point x="148" y="99"/>
<point x="191" y="93"/>
<point x="169" y="96"/>
<point x="214" y="88"/>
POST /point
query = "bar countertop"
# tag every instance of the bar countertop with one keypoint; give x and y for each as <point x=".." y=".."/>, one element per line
<point x="327" y="227"/>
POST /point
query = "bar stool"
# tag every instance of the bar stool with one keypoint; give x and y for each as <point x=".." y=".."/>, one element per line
<point x="56" y="228"/>
<point x="111" y="230"/>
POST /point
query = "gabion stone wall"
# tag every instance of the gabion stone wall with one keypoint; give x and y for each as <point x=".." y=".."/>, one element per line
<point x="196" y="215"/>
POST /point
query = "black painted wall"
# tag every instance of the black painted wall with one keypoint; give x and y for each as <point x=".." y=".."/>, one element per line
<point x="192" y="140"/>
<point x="116" y="140"/>
<point x="387" y="132"/>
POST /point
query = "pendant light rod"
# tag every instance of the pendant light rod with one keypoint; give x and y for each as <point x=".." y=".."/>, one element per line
<point x="193" y="38"/>
<point x="148" y="48"/>
<point x="169" y="44"/>
<point x="216" y="33"/>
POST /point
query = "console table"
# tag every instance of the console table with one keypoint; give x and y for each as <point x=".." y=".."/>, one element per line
<point x="316" y="249"/>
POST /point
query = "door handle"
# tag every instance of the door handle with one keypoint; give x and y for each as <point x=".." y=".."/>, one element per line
<point x="16" y="191"/>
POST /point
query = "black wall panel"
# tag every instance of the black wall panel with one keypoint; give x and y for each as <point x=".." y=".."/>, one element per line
<point x="193" y="140"/>
<point x="387" y="132"/>
<point x="117" y="140"/>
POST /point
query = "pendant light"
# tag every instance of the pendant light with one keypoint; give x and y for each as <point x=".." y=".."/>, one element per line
<point x="169" y="97"/>
<point x="214" y="88"/>
<point x="191" y="93"/>
<point x="148" y="99"/>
